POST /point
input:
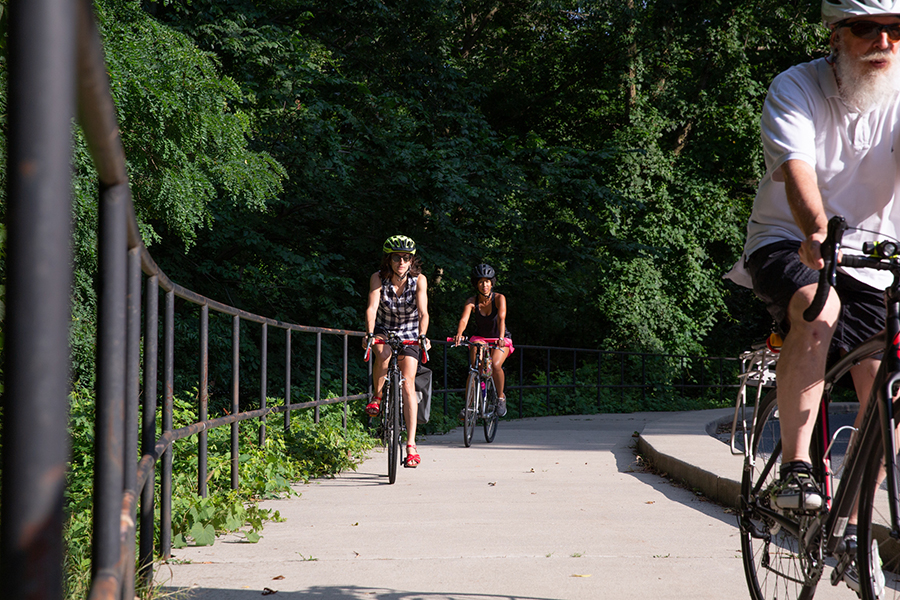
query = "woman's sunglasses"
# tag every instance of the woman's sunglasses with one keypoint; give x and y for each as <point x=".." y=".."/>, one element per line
<point x="401" y="257"/>
<point x="870" y="30"/>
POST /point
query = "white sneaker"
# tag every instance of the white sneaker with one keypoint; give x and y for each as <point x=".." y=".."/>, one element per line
<point x="877" y="572"/>
<point x="501" y="407"/>
<point x="851" y="574"/>
<point x="798" y="491"/>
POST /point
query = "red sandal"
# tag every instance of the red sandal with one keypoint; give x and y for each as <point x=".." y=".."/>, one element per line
<point x="373" y="407"/>
<point x="412" y="459"/>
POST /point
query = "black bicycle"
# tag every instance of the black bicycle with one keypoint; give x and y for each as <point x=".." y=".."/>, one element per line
<point x="785" y="552"/>
<point x="392" y="422"/>
<point x="481" y="395"/>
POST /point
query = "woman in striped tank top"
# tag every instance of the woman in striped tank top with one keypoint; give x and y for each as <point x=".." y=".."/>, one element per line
<point x="398" y="303"/>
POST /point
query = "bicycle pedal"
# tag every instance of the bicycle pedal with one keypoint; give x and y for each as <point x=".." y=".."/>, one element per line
<point x="837" y="574"/>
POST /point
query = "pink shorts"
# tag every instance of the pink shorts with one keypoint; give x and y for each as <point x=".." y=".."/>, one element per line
<point x="509" y="344"/>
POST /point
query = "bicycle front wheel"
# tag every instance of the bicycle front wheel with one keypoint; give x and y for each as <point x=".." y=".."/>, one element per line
<point x="775" y="566"/>
<point x="471" y="410"/>
<point x="392" y="424"/>
<point x="878" y="552"/>
<point x="490" y="412"/>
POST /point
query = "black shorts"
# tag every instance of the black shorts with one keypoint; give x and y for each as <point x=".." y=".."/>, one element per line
<point x="414" y="351"/>
<point x="777" y="274"/>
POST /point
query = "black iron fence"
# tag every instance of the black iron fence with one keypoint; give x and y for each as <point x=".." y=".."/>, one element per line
<point x="602" y="380"/>
<point x="56" y="64"/>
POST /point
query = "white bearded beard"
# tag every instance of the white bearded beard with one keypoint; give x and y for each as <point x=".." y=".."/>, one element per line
<point x="861" y="86"/>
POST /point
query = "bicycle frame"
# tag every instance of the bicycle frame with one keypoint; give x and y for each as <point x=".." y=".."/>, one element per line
<point x="834" y="521"/>
<point x="879" y="411"/>
<point x="482" y="355"/>
<point x="480" y="375"/>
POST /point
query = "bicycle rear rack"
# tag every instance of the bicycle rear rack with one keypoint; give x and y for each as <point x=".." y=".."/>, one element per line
<point x="757" y="371"/>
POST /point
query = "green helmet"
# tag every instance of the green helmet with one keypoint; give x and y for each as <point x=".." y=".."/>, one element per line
<point x="399" y="243"/>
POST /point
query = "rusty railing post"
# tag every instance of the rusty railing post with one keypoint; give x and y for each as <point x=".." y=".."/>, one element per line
<point x="203" y="404"/>
<point x="42" y="52"/>
<point x="148" y="425"/>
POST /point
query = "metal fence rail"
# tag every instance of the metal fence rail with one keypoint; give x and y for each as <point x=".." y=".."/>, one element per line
<point x="56" y="64"/>
<point x="610" y="370"/>
<point x="50" y="42"/>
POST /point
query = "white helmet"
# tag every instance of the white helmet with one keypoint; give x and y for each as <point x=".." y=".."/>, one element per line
<point x="838" y="10"/>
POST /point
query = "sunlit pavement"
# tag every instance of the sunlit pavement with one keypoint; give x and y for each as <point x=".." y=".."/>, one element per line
<point x="556" y="508"/>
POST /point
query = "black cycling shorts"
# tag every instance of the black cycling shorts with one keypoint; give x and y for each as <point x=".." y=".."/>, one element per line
<point x="413" y="351"/>
<point x="777" y="273"/>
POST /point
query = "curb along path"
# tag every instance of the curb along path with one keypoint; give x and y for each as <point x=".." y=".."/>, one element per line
<point x="556" y="508"/>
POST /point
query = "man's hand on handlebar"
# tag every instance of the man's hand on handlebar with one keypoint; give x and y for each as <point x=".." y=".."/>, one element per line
<point x="811" y="250"/>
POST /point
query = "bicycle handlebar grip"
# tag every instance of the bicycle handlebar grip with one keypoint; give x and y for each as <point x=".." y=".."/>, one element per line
<point x="830" y="248"/>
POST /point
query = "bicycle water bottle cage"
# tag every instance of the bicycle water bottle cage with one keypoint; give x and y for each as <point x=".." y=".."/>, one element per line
<point x="486" y="368"/>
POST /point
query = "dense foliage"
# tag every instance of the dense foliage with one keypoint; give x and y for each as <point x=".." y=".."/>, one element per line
<point x="602" y="155"/>
<point x="308" y="450"/>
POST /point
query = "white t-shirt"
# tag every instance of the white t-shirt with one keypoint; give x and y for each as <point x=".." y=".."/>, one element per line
<point x="853" y="156"/>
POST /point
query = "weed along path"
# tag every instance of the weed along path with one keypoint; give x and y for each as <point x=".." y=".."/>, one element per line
<point x="556" y="508"/>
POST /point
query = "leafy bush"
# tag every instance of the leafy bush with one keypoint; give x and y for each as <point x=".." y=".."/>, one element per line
<point x="266" y="471"/>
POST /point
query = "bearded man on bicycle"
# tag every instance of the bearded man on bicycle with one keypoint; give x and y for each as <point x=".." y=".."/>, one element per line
<point x="829" y="127"/>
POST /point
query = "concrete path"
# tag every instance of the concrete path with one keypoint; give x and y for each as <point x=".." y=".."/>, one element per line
<point x="557" y="508"/>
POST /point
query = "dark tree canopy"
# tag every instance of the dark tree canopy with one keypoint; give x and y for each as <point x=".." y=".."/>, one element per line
<point x="602" y="155"/>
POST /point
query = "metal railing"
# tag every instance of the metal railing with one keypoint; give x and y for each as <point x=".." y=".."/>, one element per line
<point x="55" y="65"/>
<point x="50" y="42"/>
<point x="648" y="376"/>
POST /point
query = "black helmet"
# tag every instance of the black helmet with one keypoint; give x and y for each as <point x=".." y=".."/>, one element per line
<point x="484" y="271"/>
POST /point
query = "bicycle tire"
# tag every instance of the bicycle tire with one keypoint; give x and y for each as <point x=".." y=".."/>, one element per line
<point x="874" y="543"/>
<point x="773" y="565"/>
<point x="470" y="415"/>
<point x="392" y="423"/>
<point x="765" y="581"/>
<point x="878" y="555"/>
<point x="490" y="417"/>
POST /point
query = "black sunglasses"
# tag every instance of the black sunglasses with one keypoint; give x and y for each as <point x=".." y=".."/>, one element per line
<point x="870" y="30"/>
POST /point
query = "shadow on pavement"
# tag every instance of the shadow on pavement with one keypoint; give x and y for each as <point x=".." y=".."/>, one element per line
<point x="628" y="461"/>
<point x="333" y="593"/>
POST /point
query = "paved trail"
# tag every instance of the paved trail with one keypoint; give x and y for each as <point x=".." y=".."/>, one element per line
<point x="556" y="508"/>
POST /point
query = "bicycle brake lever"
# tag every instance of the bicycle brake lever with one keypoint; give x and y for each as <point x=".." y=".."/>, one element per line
<point x="830" y="249"/>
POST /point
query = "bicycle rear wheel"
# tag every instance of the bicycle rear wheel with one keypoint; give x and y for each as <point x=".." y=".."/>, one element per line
<point x="392" y="426"/>
<point x="774" y="564"/>
<point x="471" y="410"/>
<point x="490" y="412"/>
